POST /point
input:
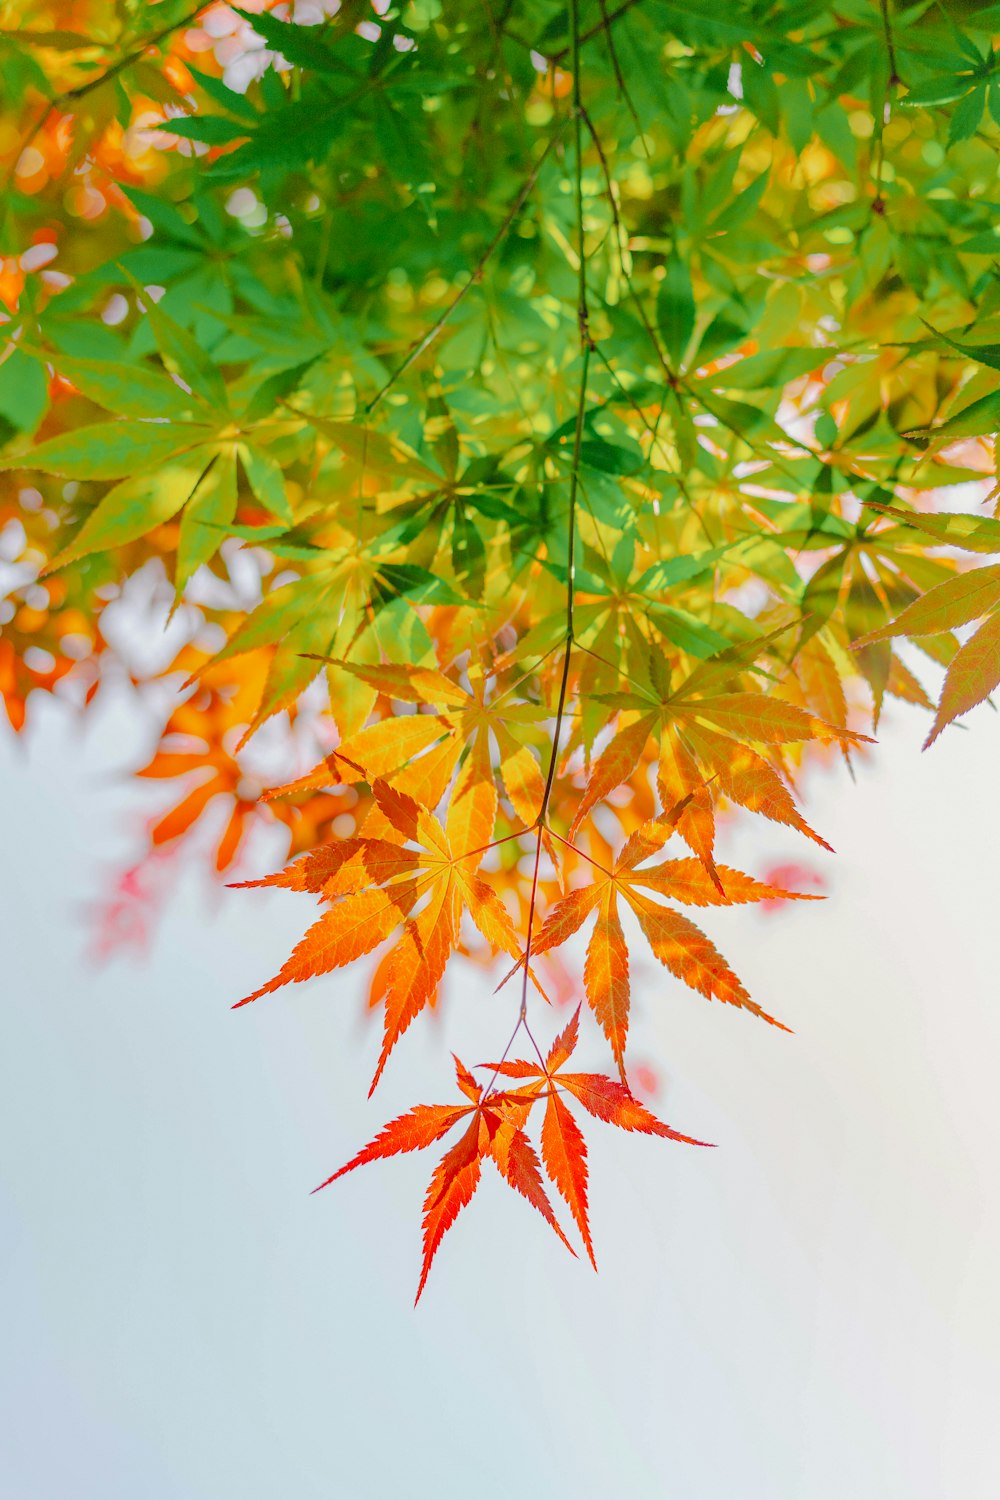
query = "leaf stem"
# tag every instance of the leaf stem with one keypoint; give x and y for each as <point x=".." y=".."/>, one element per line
<point x="878" y="203"/>
<point x="583" y="855"/>
<point x="890" y="44"/>
<point x="586" y="345"/>
<point x="521" y="1021"/>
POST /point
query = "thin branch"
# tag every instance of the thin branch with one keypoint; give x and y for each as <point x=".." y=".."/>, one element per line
<point x="607" y="20"/>
<point x="323" y="249"/>
<point x="586" y="345"/>
<point x="474" y="278"/>
<point x="621" y="239"/>
<point x="497" y="25"/>
<point x="890" y="44"/>
<point x="616" y="65"/>
<point x="126" y="62"/>
<point x="893" y="81"/>
<point x="70" y="96"/>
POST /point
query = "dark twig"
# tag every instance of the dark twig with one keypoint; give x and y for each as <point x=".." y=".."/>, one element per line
<point x="475" y="277"/>
<point x="586" y="345"/>
<point x="70" y="96"/>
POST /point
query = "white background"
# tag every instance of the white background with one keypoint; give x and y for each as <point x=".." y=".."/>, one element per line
<point x="809" y="1312"/>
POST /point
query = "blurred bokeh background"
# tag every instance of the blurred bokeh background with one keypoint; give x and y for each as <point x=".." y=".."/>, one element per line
<point x="806" y="1313"/>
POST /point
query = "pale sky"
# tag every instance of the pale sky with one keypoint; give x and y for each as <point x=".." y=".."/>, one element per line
<point x="809" y="1312"/>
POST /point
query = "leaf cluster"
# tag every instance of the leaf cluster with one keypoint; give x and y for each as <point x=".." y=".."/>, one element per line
<point x="547" y="428"/>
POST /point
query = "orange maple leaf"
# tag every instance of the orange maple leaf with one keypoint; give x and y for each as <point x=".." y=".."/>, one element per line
<point x="494" y="1132"/>
<point x="679" y="945"/>
<point x="564" y="1150"/>
<point x="376" y="886"/>
<point x="703" y="736"/>
<point x="419" y="752"/>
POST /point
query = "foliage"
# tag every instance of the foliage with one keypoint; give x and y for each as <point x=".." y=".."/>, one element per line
<point x="546" y="422"/>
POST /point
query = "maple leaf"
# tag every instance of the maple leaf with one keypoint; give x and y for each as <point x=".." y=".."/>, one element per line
<point x="419" y="1128"/>
<point x="455" y="1180"/>
<point x="972" y="533"/>
<point x="18" y="680"/>
<point x="195" y="748"/>
<point x="517" y="1162"/>
<point x="679" y="945"/>
<point x="703" y="734"/>
<point x="951" y="604"/>
<point x="494" y="1132"/>
<point x="822" y="685"/>
<point x="875" y="568"/>
<point x="376" y="887"/>
<point x="974" y="671"/>
<point x="972" y="676"/>
<point x="564" y="1150"/>
<point x="419" y="752"/>
<point x="564" y="1153"/>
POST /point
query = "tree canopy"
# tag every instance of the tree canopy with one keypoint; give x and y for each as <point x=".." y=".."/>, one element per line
<point x="547" y="427"/>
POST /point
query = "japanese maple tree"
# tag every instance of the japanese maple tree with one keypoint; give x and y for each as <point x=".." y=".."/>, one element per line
<point x="546" y="426"/>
